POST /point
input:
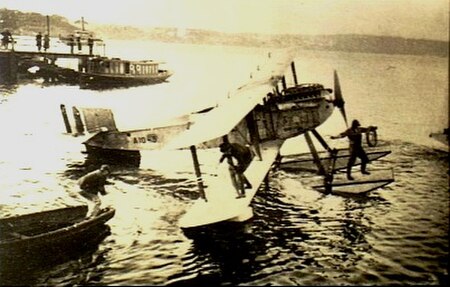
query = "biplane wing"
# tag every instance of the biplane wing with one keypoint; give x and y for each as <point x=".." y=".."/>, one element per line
<point x="219" y="202"/>
<point x="222" y="119"/>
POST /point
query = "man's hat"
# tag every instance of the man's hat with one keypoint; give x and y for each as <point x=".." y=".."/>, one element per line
<point x="224" y="146"/>
<point x="355" y="124"/>
<point x="105" y="167"/>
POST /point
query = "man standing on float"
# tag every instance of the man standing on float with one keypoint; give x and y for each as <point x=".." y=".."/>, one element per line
<point x="354" y="134"/>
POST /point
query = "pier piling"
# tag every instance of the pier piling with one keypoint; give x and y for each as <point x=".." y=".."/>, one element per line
<point x="8" y="64"/>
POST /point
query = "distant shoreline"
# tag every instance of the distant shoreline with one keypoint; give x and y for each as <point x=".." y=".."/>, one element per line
<point x="29" y="24"/>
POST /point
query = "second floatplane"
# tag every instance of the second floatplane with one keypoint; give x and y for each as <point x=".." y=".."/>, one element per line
<point x="260" y="114"/>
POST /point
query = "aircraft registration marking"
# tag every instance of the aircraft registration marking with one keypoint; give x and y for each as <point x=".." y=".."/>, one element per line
<point x="153" y="138"/>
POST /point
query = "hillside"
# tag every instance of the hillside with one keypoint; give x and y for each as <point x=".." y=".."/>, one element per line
<point x="21" y="23"/>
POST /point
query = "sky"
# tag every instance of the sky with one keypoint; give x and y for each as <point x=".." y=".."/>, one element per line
<point x="422" y="19"/>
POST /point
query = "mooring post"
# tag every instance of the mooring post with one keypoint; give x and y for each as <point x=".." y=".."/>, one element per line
<point x="65" y="118"/>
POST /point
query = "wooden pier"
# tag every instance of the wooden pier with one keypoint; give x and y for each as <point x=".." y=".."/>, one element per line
<point x="10" y="60"/>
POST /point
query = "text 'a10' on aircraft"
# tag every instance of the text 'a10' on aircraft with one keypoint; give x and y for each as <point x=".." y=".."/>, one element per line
<point x="261" y="114"/>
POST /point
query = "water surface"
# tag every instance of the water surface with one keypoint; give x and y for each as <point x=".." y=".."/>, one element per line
<point x="298" y="236"/>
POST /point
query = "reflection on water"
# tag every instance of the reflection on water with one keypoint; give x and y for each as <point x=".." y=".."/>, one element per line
<point x="298" y="236"/>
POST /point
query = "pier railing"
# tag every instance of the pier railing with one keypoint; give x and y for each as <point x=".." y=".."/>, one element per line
<point x="28" y="44"/>
<point x="60" y="54"/>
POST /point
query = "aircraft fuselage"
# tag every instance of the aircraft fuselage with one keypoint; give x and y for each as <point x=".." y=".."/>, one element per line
<point x="287" y="114"/>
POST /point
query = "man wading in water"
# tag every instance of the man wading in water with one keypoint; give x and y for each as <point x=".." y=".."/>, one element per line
<point x="93" y="183"/>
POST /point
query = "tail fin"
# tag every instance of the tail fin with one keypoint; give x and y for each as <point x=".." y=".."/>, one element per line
<point x="94" y="120"/>
<point x="98" y="119"/>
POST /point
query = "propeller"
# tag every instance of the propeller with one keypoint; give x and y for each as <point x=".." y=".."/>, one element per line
<point x="338" y="98"/>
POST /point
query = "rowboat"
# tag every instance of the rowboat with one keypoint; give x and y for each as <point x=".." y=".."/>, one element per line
<point x="103" y="72"/>
<point x="45" y="220"/>
<point x="50" y="231"/>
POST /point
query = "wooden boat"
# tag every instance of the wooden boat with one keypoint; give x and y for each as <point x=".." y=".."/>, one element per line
<point x="54" y="230"/>
<point x="46" y="220"/>
<point x="114" y="72"/>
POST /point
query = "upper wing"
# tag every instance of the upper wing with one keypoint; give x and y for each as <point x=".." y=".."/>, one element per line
<point x="223" y="118"/>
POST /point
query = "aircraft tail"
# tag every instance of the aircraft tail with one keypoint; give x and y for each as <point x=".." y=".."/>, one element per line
<point x="93" y="120"/>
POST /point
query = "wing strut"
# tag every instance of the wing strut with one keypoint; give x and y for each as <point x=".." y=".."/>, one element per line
<point x="321" y="140"/>
<point x="201" y="188"/>
<point x="254" y="135"/>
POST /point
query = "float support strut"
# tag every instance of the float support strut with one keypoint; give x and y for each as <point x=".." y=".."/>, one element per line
<point x="201" y="188"/>
<point x="314" y="153"/>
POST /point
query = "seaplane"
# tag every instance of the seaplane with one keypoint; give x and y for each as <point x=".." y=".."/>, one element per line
<point x="261" y="114"/>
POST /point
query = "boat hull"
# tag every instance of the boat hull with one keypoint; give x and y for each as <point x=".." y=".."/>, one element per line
<point x="94" y="80"/>
<point x="113" y="156"/>
<point x="46" y="220"/>
<point x="57" y="241"/>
